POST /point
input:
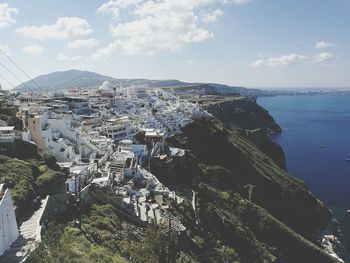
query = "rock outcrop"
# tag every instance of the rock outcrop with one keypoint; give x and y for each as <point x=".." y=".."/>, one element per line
<point x="284" y="196"/>
<point x="243" y="113"/>
<point x="245" y="201"/>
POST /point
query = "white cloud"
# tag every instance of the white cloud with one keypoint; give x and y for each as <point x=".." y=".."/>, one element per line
<point x="64" y="28"/>
<point x="6" y="49"/>
<point x="291" y="59"/>
<point x="6" y="15"/>
<point x="323" y="45"/>
<point x="258" y="63"/>
<point x="322" y="57"/>
<point x="212" y="16"/>
<point x="285" y="60"/>
<point x="83" y="43"/>
<point x="280" y="61"/>
<point x="241" y="2"/>
<point x="114" y="7"/>
<point x="149" y="27"/>
<point x="191" y="61"/>
<point x="62" y="57"/>
<point x="33" y="49"/>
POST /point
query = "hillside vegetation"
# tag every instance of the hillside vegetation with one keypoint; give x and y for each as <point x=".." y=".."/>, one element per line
<point x="104" y="237"/>
<point x="284" y="196"/>
<point x="246" y="204"/>
<point x="29" y="178"/>
<point x="247" y="210"/>
<point x="254" y="122"/>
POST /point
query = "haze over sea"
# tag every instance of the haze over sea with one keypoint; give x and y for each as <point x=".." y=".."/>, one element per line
<point x="316" y="142"/>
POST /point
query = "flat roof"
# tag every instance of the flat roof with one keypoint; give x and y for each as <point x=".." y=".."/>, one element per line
<point x="7" y="128"/>
<point x="125" y="142"/>
<point x="101" y="179"/>
<point x="154" y="134"/>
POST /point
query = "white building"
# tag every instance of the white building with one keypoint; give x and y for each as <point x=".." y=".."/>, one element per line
<point x="79" y="176"/>
<point x="57" y="137"/>
<point x="7" y="134"/>
<point x="119" y="129"/>
<point x="8" y="223"/>
<point x="78" y="105"/>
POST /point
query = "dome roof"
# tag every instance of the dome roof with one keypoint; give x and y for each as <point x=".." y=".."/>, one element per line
<point x="106" y="86"/>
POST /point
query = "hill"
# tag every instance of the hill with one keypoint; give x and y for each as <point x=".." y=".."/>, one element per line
<point x="247" y="209"/>
<point x="65" y="79"/>
<point x="239" y="204"/>
<point x="85" y="79"/>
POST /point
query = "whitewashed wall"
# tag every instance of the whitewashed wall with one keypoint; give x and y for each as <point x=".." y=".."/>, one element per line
<point x="8" y="223"/>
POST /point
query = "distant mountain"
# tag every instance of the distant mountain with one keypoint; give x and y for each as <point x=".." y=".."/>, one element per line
<point x="85" y="79"/>
<point x="65" y="79"/>
<point x="213" y="89"/>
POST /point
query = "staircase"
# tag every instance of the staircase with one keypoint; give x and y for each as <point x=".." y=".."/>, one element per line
<point x="26" y="241"/>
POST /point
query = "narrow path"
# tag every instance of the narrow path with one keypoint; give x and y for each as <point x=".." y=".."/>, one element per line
<point x="26" y="241"/>
<point x="190" y="196"/>
<point x="250" y="191"/>
<point x="194" y="205"/>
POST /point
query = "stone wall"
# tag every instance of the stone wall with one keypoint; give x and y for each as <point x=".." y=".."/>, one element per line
<point x="19" y="149"/>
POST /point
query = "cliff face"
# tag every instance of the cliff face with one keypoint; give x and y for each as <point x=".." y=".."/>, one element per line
<point x="260" y="138"/>
<point x="240" y="112"/>
<point x="181" y="170"/>
<point x="255" y="123"/>
<point x="245" y="202"/>
<point x="284" y="196"/>
<point x="239" y="206"/>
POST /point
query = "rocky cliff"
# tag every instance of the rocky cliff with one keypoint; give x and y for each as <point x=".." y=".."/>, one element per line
<point x="286" y="197"/>
<point x="244" y="200"/>
<point x="238" y="206"/>
<point x="253" y="121"/>
<point x="240" y="112"/>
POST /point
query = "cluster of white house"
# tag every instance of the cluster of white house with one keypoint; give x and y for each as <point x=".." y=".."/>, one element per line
<point x="81" y="131"/>
<point x="94" y="135"/>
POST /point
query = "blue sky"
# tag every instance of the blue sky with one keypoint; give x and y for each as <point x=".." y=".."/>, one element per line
<point x="253" y="43"/>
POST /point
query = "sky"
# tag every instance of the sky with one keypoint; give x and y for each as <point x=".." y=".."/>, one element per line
<point x="251" y="43"/>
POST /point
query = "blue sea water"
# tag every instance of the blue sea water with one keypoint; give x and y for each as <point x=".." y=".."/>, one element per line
<point x="316" y="142"/>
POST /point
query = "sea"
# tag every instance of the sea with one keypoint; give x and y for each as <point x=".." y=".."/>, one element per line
<point x="316" y="142"/>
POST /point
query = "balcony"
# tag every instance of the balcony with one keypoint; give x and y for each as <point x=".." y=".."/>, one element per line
<point x="7" y="137"/>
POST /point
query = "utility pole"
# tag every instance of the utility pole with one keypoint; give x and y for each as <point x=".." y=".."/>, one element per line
<point x="169" y="241"/>
<point x="77" y="190"/>
<point x="149" y="163"/>
<point x="79" y="203"/>
<point x="169" y="246"/>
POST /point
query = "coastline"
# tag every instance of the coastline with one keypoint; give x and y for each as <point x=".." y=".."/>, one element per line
<point x="308" y="122"/>
<point x="341" y="232"/>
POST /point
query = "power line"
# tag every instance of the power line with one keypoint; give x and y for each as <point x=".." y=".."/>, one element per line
<point x="8" y="82"/>
<point x="9" y="58"/>
<point x="14" y="75"/>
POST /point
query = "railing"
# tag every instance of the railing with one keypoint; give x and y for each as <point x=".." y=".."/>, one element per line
<point x="7" y="137"/>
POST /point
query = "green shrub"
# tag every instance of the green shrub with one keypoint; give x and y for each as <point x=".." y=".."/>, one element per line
<point x="29" y="178"/>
